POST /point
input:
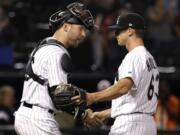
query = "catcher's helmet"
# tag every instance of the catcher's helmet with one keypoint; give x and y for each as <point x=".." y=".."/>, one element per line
<point x="75" y="13"/>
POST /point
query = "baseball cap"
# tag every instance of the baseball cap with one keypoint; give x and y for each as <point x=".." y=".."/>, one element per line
<point x="132" y="20"/>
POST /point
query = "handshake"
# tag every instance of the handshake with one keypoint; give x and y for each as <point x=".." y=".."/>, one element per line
<point x="95" y="119"/>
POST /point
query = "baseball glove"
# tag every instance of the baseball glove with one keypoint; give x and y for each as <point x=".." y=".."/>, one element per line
<point x="62" y="100"/>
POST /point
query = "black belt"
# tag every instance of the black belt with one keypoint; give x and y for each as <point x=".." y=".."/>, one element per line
<point x="31" y="105"/>
<point x="151" y="114"/>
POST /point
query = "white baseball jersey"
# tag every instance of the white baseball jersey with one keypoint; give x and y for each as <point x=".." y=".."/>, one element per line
<point x="140" y="66"/>
<point x="47" y="64"/>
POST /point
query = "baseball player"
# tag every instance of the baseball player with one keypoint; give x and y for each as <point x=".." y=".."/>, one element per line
<point x="48" y="66"/>
<point x="134" y="93"/>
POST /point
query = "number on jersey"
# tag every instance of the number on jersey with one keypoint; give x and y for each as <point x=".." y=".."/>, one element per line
<point x="153" y="87"/>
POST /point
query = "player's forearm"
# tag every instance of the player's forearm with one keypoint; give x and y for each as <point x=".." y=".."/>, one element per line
<point x="116" y="90"/>
<point x="107" y="113"/>
<point x="108" y="94"/>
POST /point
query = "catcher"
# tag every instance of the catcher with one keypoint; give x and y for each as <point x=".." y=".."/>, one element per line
<point x="45" y="90"/>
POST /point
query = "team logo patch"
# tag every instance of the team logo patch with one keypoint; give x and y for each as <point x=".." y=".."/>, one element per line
<point x="129" y="72"/>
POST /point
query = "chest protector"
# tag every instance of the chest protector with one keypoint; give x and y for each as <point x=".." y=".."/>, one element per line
<point x="66" y="62"/>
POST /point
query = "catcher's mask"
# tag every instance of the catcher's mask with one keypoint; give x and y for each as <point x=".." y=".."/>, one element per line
<point x="75" y="13"/>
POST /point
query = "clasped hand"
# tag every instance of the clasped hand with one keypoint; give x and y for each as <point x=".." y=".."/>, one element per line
<point x="94" y="119"/>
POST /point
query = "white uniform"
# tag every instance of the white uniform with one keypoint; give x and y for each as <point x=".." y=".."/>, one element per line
<point x="133" y="111"/>
<point x="37" y="120"/>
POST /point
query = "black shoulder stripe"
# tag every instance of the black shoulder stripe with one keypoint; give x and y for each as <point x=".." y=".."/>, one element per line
<point x="66" y="63"/>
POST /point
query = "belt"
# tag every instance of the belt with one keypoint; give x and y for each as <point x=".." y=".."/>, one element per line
<point x="151" y="114"/>
<point x="31" y="106"/>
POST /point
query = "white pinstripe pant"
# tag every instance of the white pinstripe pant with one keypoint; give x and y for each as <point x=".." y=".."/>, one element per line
<point x="134" y="124"/>
<point x="35" y="121"/>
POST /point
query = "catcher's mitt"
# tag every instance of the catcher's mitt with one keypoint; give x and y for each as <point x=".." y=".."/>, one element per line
<point x="62" y="95"/>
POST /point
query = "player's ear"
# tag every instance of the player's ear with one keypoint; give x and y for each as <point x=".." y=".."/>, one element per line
<point x="130" y="31"/>
<point x="66" y="27"/>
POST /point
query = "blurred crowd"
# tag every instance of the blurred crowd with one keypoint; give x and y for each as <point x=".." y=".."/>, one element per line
<point x="7" y="102"/>
<point x="22" y="23"/>
<point x="168" y="110"/>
